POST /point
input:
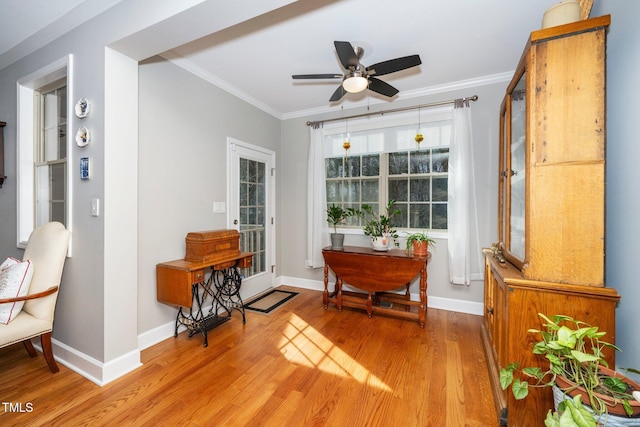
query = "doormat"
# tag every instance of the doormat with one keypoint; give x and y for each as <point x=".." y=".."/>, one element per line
<point x="270" y="301"/>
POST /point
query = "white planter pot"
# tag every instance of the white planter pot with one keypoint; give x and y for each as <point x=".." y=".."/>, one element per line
<point x="380" y="243"/>
<point x="561" y="13"/>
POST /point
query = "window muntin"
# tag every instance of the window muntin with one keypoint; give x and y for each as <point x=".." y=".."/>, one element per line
<point x="27" y="137"/>
<point x="50" y="160"/>
<point x="386" y="164"/>
<point x="358" y="184"/>
<point x="418" y="182"/>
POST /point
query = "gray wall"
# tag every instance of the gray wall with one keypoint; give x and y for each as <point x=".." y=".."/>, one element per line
<point x="81" y="299"/>
<point x="184" y="125"/>
<point x="623" y="173"/>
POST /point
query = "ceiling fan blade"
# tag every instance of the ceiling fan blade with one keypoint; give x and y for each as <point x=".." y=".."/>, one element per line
<point x="347" y="54"/>
<point x="317" y="76"/>
<point x="393" y="65"/>
<point x="381" y="87"/>
<point x="338" y="94"/>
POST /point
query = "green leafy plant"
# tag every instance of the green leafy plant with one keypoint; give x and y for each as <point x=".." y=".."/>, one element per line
<point x="570" y="413"/>
<point x="379" y="225"/>
<point x="419" y="237"/>
<point x="337" y="215"/>
<point x="575" y="351"/>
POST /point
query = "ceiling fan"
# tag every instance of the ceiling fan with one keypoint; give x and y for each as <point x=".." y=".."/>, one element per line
<point x="357" y="77"/>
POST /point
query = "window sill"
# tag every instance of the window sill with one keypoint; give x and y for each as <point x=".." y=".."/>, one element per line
<point x="435" y="234"/>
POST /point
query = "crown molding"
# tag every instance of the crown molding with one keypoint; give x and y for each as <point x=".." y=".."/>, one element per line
<point x="216" y="81"/>
<point x="410" y="94"/>
<point x="432" y="90"/>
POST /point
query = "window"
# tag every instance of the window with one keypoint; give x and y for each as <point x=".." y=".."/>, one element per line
<point x="44" y="123"/>
<point x="385" y="163"/>
<point x="51" y="153"/>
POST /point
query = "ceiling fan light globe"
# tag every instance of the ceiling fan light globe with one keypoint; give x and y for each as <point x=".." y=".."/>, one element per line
<point x="355" y="84"/>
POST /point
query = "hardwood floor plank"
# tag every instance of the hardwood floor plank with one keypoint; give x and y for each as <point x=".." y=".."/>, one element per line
<point x="282" y="415"/>
<point x="299" y="366"/>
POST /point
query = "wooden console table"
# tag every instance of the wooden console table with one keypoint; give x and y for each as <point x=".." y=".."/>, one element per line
<point x="182" y="283"/>
<point x="376" y="273"/>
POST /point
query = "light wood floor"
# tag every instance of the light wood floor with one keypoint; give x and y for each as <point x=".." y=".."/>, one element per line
<point x="299" y="366"/>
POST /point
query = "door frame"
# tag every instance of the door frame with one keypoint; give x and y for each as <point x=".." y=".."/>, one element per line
<point x="244" y="149"/>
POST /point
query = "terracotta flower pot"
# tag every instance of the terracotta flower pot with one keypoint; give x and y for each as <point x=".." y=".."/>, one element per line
<point x="612" y="407"/>
<point x="420" y="248"/>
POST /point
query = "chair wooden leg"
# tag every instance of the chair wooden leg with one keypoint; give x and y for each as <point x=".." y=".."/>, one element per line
<point x="29" y="347"/>
<point x="45" y="339"/>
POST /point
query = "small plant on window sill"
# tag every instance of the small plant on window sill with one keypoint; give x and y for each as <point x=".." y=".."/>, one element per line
<point x="336" y="215"/>
<point x="419" y="243"/>
<point x="379" y="227"/>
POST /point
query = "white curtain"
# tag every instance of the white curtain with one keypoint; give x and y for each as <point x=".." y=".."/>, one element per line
<point x="464" y="248"/>
<point x="317" y="227"/>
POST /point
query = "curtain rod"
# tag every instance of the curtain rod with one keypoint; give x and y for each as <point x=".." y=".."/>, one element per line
<point x="433" y="104"/>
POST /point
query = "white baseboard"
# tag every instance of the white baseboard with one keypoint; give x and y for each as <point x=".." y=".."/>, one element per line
<point x="461" y="306"/>
<point x="156" y="335"/>
<point x="449" y="304"/>
<point x="95" y="371"/>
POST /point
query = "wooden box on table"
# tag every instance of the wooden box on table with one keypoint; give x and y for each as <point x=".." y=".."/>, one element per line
<point x="207" y="246"/>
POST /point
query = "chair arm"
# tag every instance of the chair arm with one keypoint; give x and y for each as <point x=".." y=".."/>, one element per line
<point x="49" y="291"/>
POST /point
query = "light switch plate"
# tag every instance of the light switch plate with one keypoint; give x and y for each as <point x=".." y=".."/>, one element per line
<point x="219" y="207"/>
<point x="95" y="207"/>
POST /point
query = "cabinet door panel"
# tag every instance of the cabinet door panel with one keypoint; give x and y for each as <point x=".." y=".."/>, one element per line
<point x="517" y="169"/>
<point x="502" y="323"/>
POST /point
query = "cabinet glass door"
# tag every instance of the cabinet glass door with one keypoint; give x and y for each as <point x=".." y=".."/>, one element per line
<point x="502" y="183"/>
<point x="517" y="166"/>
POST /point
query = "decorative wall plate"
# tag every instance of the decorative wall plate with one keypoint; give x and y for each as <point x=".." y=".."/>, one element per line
<point x="83" y="137"/>
<point x="83" y="108"/>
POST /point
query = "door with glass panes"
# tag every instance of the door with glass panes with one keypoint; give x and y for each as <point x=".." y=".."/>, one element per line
<point x="251" y="201"/>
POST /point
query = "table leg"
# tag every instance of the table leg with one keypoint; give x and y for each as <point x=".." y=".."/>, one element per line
<point x="422" y="314"/>
<point x="325" y="294"/>
<point x="369" y="306"/>
<point x="407" y="296"/>
<point x="339" y="286"/>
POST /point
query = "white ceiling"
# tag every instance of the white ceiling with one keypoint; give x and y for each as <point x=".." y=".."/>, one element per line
<point x="460" y="42"/>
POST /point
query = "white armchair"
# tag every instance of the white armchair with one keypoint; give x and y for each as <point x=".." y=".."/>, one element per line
<point x="47" y="250"/>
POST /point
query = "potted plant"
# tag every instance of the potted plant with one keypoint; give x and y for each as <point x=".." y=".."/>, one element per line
<point x="335" y="216"/>
<point x="379" y="227"/>
<point x="574" y="351"/>
<point x="419" y="243"/>
<point x="570" y="413"/>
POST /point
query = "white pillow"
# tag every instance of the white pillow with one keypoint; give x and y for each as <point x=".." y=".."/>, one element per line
<point x="8" y="263"/>
<point x="15" y="278"/>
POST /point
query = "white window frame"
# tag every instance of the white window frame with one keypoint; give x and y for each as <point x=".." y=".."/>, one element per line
<point x="377" y="122"/>
<point x="26" y="136"/>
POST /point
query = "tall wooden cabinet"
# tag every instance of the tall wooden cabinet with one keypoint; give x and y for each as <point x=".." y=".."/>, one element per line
<point x="551" y="205"/>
